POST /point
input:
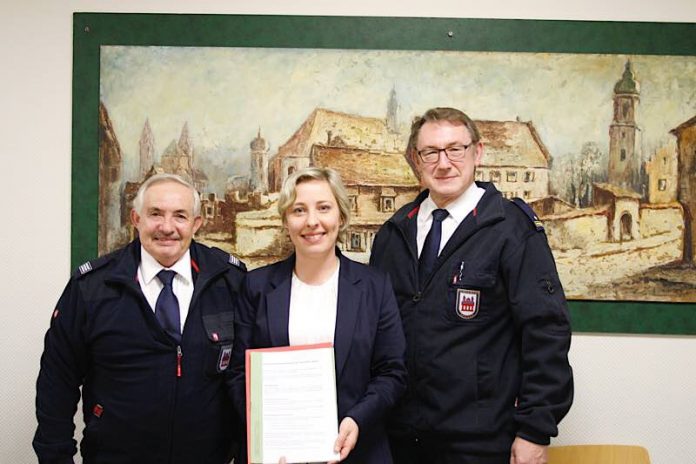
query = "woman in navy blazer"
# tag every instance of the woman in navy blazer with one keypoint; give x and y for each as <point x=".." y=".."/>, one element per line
<point x="293" y="302"/>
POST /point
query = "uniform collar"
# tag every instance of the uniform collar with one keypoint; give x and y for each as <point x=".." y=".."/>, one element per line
<point x="488" y="209"/>
<point x="459" y="208"/>
<point x="205" y="265"/>
<point x="149" y="267"/>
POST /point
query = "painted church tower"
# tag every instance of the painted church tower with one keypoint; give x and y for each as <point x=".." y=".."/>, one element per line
<point x="392" y="113"/>
<point x="624" y="158"/>
<point x="258" y="180"/>
<point x="147" y="149"/>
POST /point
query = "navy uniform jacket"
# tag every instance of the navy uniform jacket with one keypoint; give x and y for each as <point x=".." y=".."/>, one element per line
<point x="145" y="399"/>
<point x="368" y="343"/>
<point x="488" y="333"/>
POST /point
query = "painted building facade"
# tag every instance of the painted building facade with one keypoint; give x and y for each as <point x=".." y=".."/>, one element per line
<point x="686" y="149"/>
<point x="515" y="159"/>
<point x="663" y="175"/>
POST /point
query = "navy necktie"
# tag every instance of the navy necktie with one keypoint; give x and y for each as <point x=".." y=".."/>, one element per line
<point x="431" y="247"/>
<point x="167" y="306"/>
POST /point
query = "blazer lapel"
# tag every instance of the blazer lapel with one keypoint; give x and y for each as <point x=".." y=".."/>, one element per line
<point x="349" y="297"/>
<point x="278" y="303"/>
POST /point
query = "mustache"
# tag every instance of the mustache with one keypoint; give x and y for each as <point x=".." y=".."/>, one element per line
<point x="166" y="236"/>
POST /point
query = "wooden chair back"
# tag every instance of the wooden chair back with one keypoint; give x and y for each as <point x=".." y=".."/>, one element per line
<point x="598" y="454"/>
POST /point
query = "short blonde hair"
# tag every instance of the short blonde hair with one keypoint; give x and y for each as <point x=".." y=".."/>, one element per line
<point x="288" y="193"/>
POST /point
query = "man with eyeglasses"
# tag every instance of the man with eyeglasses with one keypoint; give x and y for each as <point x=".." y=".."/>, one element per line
<point x="485" y="317"/>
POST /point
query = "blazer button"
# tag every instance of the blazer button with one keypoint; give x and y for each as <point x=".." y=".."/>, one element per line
<point x="416" y="297"/>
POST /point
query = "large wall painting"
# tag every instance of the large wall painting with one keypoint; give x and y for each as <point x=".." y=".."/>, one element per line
<point x="592" y="123"/>
<point x="602" y="146"/>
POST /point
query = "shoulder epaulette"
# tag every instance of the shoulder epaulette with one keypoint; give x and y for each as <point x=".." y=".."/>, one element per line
<point x="237" y="262"/>
<point x="89" y="266"/>
<point x="230" y="258"/>
<point x="529" y="212"/>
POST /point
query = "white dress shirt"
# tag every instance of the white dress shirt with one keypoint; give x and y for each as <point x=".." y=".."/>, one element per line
<point x="313" y="311"/>
<point x="458" y="210"/>
<point x="152" y="286"/>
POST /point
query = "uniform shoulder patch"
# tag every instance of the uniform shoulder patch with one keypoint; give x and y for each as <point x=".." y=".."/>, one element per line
<point x="230" y="258"/>
<point x="84" y="268"/>
<point x="529" y="212"/>
<point x="233" y="260"/>
<point x="89" y="266"/>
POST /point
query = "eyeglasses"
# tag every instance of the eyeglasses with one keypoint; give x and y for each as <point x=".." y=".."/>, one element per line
<point x="431" y="155"/>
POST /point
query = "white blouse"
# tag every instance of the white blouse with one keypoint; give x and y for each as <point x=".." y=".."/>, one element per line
<point x="313" y="311"/>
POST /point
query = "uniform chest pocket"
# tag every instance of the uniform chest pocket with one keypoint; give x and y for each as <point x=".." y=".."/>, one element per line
<point x="468" y="293"/>
<point x="219" y="329"/>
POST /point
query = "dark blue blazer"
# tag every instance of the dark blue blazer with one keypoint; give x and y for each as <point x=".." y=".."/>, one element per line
<point x="369" y="344"/>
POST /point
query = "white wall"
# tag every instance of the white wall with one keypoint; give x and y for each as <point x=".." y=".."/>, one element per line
<point x="630" y="389"/>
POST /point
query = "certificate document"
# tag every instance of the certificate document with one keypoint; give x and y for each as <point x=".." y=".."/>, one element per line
<point x="291" y="404"/>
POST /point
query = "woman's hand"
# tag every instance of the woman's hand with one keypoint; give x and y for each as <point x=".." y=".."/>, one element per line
<point x="348" y="432"/>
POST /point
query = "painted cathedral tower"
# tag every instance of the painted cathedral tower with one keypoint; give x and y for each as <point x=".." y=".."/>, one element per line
<point x="624" y="158"/>
<point x="177" y="158"/>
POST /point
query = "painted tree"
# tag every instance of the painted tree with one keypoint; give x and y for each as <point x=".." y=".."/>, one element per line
<point x="575" y="173"/>
<point x="592" y="164"/>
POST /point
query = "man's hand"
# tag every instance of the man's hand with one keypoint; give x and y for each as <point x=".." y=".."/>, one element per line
<point x="526" y="452"/>
<point x="347" y="438"/>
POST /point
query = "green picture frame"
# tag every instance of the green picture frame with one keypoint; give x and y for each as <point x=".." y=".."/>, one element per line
<point x="93" y="30"/>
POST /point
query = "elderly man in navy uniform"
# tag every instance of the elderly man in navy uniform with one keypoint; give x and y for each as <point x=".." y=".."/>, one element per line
<point x="485" y="317"/>
<point x="147" y="333"/>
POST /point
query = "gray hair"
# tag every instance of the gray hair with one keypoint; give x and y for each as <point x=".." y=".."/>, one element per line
<point x="162" y="178"/>
<point x="288" y="193"/>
